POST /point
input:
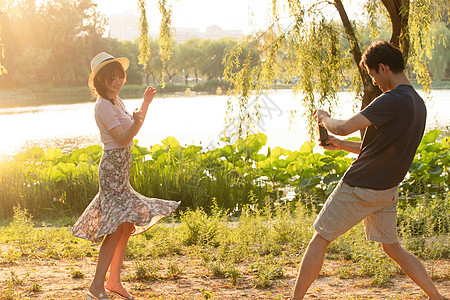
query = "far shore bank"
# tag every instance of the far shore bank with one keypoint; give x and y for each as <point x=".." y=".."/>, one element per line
<point x="45" y="95"/>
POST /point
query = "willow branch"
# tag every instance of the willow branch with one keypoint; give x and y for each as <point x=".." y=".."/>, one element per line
<point x="144" y="45"/>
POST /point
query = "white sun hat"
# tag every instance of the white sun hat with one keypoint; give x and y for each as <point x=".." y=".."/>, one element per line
<point x="101" y="60"/>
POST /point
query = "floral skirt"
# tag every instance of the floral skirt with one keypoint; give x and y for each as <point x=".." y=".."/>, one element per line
<point x="117" y="202"/>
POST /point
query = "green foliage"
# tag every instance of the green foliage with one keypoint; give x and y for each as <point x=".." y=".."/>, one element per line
<point x="422" y="14"/>
<point x="173" y="269"/>
<point x="207" y="294"/>
<point x="231" y="177"/>
<point x="210" y="86"/>
<point x="15" y="280"/>
<point x="46" y="242"/>
<point x="362" y="259"/>
<point x="160" y="241"/>
<point x="200" y="228"/>
<point x="322" y="55"/>
<point x="190" y="58"/>
<point x="430" y="170"/>
<point x="424" y="223"/>
<point x="259" y="245"/>
<point x="77" y="274"/>
<point x="2" y="51"/>
<point x="165" y="36"/>
<point x="35" y="288"/>
<point x="241" y="70"/>
<point x="144" y="271"/>
<point x="194" y="177"/>
<point x="266" y="272"/>
<point x="50" y="182"/>
<point x="440" y="55"/>
<point x="144" y="45"/>
<point x="36" y="40"/>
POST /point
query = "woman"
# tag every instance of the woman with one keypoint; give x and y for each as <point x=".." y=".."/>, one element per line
<point x="117" y="211"/>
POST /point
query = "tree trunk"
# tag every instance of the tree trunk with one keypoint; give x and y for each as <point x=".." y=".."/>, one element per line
<point x="370" y="91"/>
<point x="399" y="13"/>
<point x="171" y="76"/>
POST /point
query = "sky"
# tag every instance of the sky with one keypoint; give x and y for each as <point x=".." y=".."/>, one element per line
<point x="245" y="15"/>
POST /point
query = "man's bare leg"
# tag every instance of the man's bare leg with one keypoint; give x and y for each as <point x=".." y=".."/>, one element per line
<point x="310" y="266"/>
<point x="413" y="268"/>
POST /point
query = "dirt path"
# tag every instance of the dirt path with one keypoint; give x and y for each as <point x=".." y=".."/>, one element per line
<point x="55" y="281"/>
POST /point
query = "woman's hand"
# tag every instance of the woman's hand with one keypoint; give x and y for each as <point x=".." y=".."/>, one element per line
<point x="149" y="94"/>
<point x="333" y="143"/>
<point x="138" y="116"/>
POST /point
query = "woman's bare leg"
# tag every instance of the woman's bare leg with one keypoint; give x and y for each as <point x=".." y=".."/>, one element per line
<point x="114" y="283"/>
<point x="105" y="256"/>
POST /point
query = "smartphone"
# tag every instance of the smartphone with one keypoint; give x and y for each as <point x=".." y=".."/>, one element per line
<point x="323" y="133"/>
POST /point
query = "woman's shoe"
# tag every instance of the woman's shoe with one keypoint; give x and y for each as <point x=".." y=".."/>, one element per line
<point x="101" y="296"/>
<point x="131" y="297"/>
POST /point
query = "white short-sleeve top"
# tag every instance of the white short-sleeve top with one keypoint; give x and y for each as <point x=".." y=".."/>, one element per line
<point x="108" y="116"/>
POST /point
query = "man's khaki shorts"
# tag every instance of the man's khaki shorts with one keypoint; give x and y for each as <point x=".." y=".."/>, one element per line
<point x="347" y="206"/>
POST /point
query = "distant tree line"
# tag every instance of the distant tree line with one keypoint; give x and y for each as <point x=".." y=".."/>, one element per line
<point x="52" y="44"/>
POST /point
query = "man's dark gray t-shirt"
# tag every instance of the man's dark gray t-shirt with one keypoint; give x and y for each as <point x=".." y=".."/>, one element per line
<point x="388" y="147"/>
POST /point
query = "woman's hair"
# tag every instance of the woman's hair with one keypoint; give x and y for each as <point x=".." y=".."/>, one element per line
<point x="106" y="73"/>
<point x="383" y="52"/>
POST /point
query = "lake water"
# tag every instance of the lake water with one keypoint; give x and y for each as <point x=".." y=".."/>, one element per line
<point x="196" y="120"/>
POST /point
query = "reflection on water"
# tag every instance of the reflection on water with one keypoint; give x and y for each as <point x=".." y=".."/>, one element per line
<point x="191" y="120"/>
<point x="21" y="110"/>
<point x="65" y="144"/>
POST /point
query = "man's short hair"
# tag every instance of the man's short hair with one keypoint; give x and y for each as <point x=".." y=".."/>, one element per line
<point x="383" y="52"/>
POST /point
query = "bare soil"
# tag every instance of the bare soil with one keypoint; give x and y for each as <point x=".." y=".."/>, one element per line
<point x="53" y="279"/>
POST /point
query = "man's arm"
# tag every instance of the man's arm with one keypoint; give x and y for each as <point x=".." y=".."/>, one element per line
<point x="342" y="127"/>
<point x="337" y="144"/>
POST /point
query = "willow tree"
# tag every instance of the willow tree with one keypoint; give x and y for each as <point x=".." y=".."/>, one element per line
<point x="319" y="44"/>
<point x="165" y="35"/>
<point x="3" y="7"/>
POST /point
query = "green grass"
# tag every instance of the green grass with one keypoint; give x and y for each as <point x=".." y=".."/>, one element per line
<point x="259" y="246"/>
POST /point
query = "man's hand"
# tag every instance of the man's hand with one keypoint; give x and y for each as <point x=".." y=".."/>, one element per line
<point x="149" y="94"/>
<point x="337" y="144"/>
<point x="333" y="143"/>
<point x="320" y="114"/>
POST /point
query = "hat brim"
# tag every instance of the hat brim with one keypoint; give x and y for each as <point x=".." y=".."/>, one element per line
<point x="122" y="60"/>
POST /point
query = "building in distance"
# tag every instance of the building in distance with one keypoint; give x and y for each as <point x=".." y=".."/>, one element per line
<point x="124" y="27"/>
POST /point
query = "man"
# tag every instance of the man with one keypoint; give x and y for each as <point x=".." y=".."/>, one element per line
<point x="394" y="122"/>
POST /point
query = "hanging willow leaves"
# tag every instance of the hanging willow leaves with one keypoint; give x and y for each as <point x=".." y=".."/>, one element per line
<point x="144" y="46"/>
<point x="240" y="73"/>
<point x="165" y="36"/>
<point x="421" y="40"/>
<point x="372" y="9"/>
<point x="313" y="55"/>
<point x="2" y="53"/>
<point x="3" y="6"/>
<point x="323" y="55"/>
